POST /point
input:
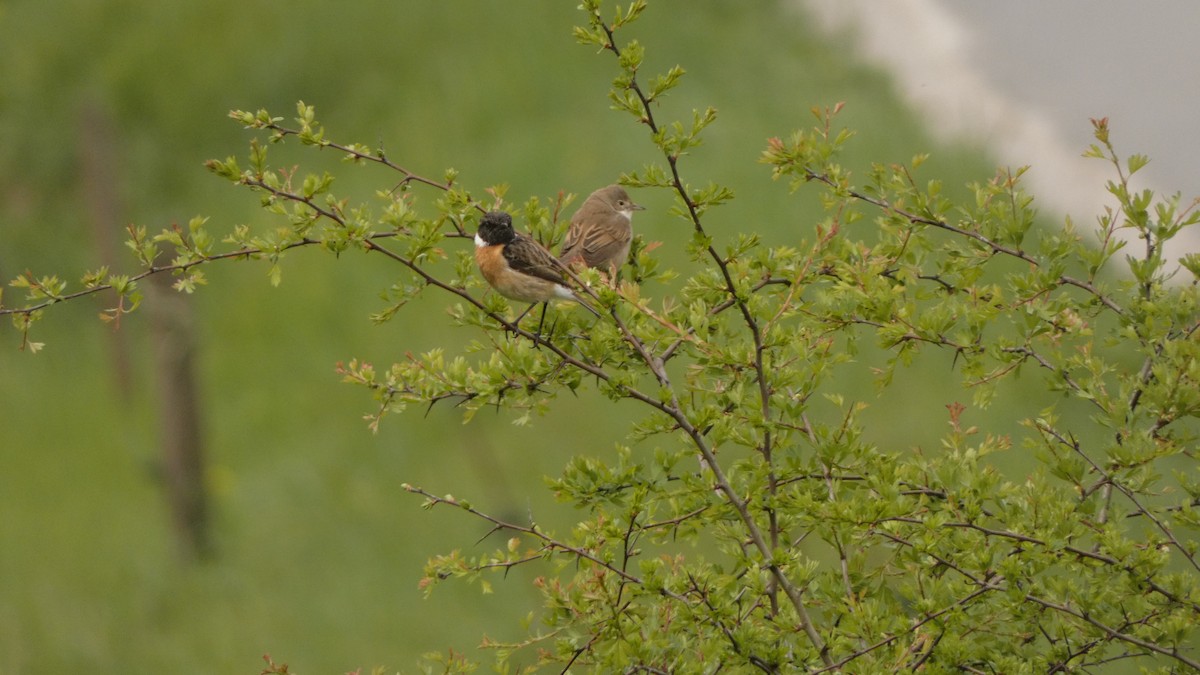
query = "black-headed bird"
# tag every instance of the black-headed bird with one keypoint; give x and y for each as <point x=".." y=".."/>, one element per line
<point x="517" y="266"/>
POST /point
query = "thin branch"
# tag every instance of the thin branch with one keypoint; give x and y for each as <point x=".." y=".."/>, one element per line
<point x="1073" y="550"/>
<point x="549" y="542"/>
<point x="995" y="247"/>
<point x="961" y="602"/>
<point x="1113" y="633"/>
<point x="766" y="550"/>
<point x="1110" y="481"/>
<point x="1029" y="353"/>
<point x="378" y="158"/>
<point x="245" y="252"/>
<point x="756" y="661"/>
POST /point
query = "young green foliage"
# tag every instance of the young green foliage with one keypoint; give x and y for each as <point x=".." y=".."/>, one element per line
<point x="755" y="519"/>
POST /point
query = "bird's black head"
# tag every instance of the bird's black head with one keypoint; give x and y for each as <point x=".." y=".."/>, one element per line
<point x="495" y="228"/>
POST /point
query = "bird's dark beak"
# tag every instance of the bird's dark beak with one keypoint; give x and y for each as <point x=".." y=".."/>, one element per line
<point x="636" y="207"/>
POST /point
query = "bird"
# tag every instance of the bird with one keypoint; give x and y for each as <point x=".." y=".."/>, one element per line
<point x="601" y="230"/>
<point x="517" y="266"/>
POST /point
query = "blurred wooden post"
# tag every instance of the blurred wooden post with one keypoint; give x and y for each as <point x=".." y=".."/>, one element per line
<point x="176" y="393"/>
<point x="180" y="432"/>
<point x="99" y="168"/>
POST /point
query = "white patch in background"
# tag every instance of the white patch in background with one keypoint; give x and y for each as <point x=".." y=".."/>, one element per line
<point x="929" y="53"/>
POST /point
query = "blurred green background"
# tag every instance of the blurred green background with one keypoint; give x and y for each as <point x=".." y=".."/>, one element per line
<point x="108" y="110"/>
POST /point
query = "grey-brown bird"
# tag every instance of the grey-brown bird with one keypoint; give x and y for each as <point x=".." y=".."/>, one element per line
<point x="601" y="230"/>
<point x="517" y="266"/>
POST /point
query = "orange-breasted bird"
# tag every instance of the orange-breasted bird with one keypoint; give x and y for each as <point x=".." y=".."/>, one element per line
<point x="601" y="230"/>
<point x="517" y="266"/>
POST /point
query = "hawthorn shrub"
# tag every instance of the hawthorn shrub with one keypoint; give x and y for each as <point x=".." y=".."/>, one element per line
<point x="763" y="531"/>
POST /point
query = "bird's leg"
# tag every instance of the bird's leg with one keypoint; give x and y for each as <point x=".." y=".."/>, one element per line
<point x="541" y="321"/>
<point x="517" y="323"/>
<point x="527" y="310"/>
<point x="610" y="275"/>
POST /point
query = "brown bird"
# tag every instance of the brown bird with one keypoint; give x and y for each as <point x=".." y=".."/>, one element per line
<point x="601" y="230"/>
<point x="517" y="266"/>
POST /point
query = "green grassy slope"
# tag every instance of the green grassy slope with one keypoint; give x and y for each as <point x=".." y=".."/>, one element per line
<point x="318" y="550"/>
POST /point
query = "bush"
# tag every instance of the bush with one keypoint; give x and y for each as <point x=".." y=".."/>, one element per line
<point x="751" y="521"/>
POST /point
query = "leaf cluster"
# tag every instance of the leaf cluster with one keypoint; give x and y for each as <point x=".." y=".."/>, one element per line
<point x="747" y="522"/>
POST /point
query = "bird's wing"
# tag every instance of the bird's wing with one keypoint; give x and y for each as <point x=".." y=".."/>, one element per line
<point x="595" y="244"/>
<point x="526" y="256"/>
<point x="571" y="243"/>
